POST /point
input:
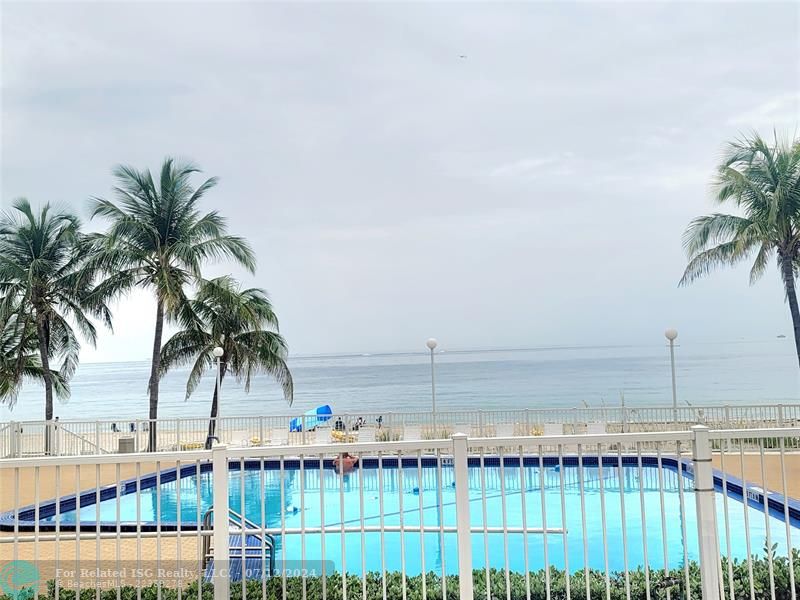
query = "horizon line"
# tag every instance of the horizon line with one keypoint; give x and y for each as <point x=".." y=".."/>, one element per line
<point x="473" y="350"/>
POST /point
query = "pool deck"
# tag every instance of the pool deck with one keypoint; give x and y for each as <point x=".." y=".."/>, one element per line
<point x="89" y="550"/>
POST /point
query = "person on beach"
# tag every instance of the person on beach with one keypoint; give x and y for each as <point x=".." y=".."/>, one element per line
<point x="344" y="463"/>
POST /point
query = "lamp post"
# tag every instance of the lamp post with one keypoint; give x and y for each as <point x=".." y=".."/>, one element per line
<point x="671" y="334"/>
<point x="218" y="352"/>
<point x="431" y="344"/>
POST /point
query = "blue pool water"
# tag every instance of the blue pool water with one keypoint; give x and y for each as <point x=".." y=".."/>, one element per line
<point x="401" y="492"/>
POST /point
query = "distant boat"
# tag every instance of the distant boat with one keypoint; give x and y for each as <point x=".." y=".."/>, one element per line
<point x="781" y="336"/>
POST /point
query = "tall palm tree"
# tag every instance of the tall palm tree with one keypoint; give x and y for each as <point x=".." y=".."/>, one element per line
<point x="19" y="359"/>
<point x="45" y="280"/>
<point x="158" y="239"/>
<point x="243" y="324"/>
<point x="763" y="181"/>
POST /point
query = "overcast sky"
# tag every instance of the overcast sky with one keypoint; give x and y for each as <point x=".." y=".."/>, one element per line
<point x="490" y="174"/>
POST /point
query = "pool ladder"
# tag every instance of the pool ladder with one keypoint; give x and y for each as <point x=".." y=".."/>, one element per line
<point x="256" y="546"/>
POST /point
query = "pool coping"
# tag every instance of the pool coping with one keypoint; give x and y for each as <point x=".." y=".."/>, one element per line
<point x="735" y="487"/>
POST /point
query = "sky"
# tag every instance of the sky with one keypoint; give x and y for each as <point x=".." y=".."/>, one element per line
<point x="494" y="175"/>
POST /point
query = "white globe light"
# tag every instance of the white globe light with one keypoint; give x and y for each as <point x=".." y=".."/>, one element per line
<point x="218" y="352"/>
<point x="431" y="343"/>
<point x="671" y="334"/>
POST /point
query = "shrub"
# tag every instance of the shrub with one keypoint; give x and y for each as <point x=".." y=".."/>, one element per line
<point x="659" y="583"/>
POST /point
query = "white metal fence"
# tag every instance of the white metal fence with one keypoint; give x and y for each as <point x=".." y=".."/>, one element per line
<point x="72" y="437"/>
<point x="688" y="514"/>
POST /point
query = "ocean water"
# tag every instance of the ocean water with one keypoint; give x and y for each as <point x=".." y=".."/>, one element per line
<point x="755" y="372"/>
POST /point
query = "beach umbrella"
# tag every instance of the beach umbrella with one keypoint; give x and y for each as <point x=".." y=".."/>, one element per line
<point x="312" y="418"/>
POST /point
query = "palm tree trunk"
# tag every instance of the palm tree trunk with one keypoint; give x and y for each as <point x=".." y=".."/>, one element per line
<point x="787" y="270"/>
<point x="152" y="387"/>
<point x="44" y="343"/>
<point x="212" y="423"/>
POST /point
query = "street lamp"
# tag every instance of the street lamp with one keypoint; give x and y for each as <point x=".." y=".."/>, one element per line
<point x="671" y="334"/>
<point x="218" y="352"/>
<point x="431" y="344"/>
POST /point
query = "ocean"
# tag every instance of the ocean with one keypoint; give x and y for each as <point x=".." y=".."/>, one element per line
<point x="752" y="372"/>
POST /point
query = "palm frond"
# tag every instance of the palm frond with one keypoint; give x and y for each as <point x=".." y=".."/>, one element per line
<point x="726" y="254"/>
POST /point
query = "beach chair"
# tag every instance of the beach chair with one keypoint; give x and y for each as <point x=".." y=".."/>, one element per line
<point x="595" y="428"/>
<point x="257" y="441"/>
<point x="338" y="437"/>
<point x="412" y="432"/>
<point x="192" y="445"/>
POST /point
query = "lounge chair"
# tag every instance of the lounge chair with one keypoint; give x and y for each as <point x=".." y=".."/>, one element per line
<point x="192" y="445"/>
<point x="258" y="441"/>
<point x="342" y="436"/>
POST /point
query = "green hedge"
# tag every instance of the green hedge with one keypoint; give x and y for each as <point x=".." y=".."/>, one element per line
<point x="659" y="583"/>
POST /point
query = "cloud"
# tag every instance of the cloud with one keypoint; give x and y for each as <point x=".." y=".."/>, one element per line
<point x="780" y="111"/>
<point x="534" y="166"/>
<point x="366" y="161"/>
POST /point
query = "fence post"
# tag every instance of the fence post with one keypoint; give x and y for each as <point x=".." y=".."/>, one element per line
<point x="219" y="460"/>
<point x="13" y="429"/>
<point x="463" y="533"/>
<point x="780" y="415"/>
<point x="706" y="512"/>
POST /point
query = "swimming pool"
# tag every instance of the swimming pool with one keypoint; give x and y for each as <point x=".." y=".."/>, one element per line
<point x="412" y="493"/>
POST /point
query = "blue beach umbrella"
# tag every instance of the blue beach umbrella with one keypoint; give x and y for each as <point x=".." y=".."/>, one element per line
<point x="313" y="417"/>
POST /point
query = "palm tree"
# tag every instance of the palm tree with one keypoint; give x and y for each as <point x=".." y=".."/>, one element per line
<point x="45" y="281"/>
<point x="763" y="181"/>
<point x="243" y="324"/>
<point x="158" y="239"/>
<point x="19" y="359"/>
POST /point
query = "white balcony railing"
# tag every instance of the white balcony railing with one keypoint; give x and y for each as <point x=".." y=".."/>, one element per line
<point x="696" y="513"/>
<point x="74" y="437"/>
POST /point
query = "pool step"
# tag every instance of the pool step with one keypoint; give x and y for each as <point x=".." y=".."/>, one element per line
<point x="258" y="549"/>
<point x="257" y="559"/>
